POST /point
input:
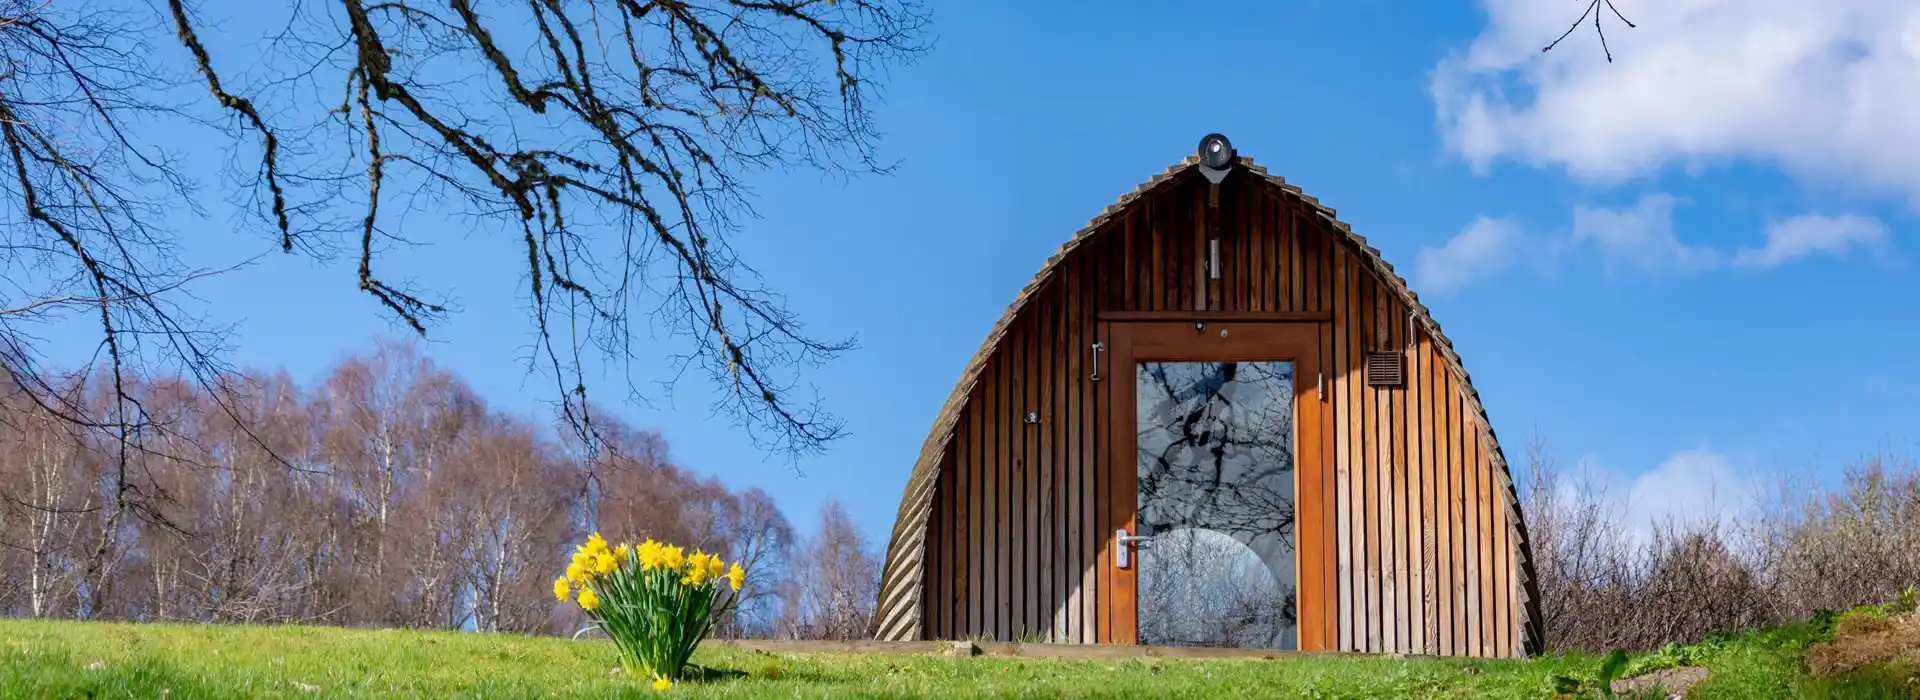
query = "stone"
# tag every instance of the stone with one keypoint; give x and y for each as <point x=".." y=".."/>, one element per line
<point x="1675" y="681"/>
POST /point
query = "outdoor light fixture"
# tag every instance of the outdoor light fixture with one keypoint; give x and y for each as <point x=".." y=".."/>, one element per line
<point x="1215" y="151"/>
<point x="1216" y="157"/>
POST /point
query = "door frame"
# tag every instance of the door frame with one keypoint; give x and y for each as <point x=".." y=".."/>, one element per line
<point x="1201" y="340"/>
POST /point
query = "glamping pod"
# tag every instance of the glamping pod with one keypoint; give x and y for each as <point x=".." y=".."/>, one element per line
<point x="1214" y="418"/>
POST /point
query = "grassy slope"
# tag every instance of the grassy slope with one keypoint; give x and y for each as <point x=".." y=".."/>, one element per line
<point x="102" y="660"/>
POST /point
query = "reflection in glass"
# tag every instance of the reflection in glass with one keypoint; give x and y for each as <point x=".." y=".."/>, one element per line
<point x="1215" y="458"/>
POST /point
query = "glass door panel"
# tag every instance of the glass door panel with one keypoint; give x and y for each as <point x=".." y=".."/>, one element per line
<point x="1216" y="498"/>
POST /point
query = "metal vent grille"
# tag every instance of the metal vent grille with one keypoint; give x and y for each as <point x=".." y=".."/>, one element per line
<point x="1383" y="369"/>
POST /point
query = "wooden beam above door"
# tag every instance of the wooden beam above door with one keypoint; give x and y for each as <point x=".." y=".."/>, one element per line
<point x="1299" y="316"/>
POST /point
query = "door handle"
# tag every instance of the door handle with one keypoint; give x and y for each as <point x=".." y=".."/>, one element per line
<point x="1123" y="544"/>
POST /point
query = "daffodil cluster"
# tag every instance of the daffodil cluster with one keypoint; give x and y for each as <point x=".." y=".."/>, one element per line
<point x="656" y="601"/>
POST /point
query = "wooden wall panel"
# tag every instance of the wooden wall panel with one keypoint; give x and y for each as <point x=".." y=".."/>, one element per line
<point x="1350" y="606"/>
<point x="1416" y="509"/>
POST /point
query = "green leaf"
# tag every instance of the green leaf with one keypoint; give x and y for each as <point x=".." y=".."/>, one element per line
<point x="1610" y="669"/>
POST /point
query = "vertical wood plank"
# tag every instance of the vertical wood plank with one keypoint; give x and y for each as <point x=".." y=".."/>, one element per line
<point x="1088" y="467"/>
<point x="1476" y="529"/>
<point x="1259" y="271"/>
<point x="1443" y="465"/>
<point x="1310" y="254"/>
<point x="1155" y="253"/>
<point x="1419" y="520"/>
<point x="1366" y="580"/>
<point x="1405" y="489"/>
<point x="1402" y="503"/>
<point x="931" y="570"/>
<point x="1252" y="234"/>
<point x="993" y="558"/>
<point x="1175" y="240"/>
<point x="1280" y="257"/>
<point x="969" y="456"/>
<point x="1005" y="555"/>
<point x="1338" y="583"/>
<point x="1193" y="279"/>
<point x="1477" y="519"/>
<point x="1062" y="428"/>
<point x="1062" y="384"/>
<point x="1351" y="610"/>
<point x="1502" y="571"/>
<point x="1025" y="546"/>
<point x="1377" y="621"/>
<point x="1045" y="537"/>
<point x="949" y="536"/>
<point x="1016" y="438"/>
<point x="1103" y="501"/>
<point x="952" y="530"/>
<point x="1435" y="521"/>
<point x="1483" y="494"/>
<point x="1126" y="276"/>
<point x="1208" y="292"/>
<point x="1196" y="294"/>
<point x="1070" y="460"/>
<point x="1463" y="521"/>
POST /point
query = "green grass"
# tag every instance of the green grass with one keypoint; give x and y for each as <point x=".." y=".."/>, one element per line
<point x="41" y="659"/>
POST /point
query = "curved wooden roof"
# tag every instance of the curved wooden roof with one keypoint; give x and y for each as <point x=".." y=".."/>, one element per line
<point x="897" y="616"/>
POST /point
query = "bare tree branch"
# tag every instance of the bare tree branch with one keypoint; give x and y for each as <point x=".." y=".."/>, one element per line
<point x="1593" y="9"/>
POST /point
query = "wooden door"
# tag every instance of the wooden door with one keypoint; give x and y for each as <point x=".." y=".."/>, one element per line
<point x="1214" y="506"/>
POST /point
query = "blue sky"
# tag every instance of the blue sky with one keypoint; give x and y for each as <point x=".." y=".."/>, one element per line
<point x="1689" y="268"/>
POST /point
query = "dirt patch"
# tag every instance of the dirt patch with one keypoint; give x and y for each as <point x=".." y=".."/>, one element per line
<point x="1675" y="681"/>
<point x="1860" y="641"/>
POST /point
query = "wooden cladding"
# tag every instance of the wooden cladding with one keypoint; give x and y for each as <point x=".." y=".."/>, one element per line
<point x="1005" y="525"/>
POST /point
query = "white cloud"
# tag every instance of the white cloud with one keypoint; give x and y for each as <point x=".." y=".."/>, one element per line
<point x="1823" y="89"/>
<point x="1487" y="246"/>
<point x="1689" y="487"/>
<point x="1640" y="237"/>
<point x="1811" y="234"/>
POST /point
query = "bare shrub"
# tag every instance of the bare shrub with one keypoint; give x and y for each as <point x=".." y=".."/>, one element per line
<point x="1858" y="545"/>
<point x="1798" y="551"/>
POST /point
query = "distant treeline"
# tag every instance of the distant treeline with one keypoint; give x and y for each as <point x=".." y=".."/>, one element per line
<point x="387" y="494"/>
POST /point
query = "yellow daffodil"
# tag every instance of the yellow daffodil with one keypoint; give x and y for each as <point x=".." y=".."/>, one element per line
<point x="672" y="557"/>
<point x="715" y="567"/>
<point x="596" y="544"/>
<point x="737" y="577"/>
<point x="620" y="552"/>
<point x="650" y="555"/>
<point x="588" y="600"/>
<point x="662" y="684"/>
<point x="698" y="560"/>
<point x="576" y="572"/>
<point x="561" y="589"/>
<point x="606" y="564"/>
